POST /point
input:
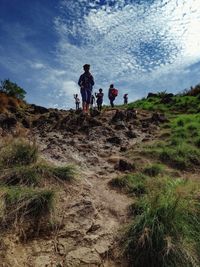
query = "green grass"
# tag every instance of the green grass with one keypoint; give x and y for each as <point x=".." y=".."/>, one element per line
<point x="18" y="153"/>
<point x="165" y="231"/>
<point x="64" y="173"/>
<point x="154" y="170"/>
<point x="23" y="175"/>
<point x="186" y="104"/>
<point x="131" y="184"/>
<point x="21" y="203"/>
<point x="181" y="148"/>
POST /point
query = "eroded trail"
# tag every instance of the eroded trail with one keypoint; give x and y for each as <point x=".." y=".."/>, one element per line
<point x="89" y="214"/>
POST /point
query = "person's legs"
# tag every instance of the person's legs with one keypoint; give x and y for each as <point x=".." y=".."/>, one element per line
<point x="88" y="99"/>
<point x="84" y="99"/>
<point x="111" y="102"/>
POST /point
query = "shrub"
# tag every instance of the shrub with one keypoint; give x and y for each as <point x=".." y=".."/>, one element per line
<point x="166" y="230"/>
<point x="12" y="89"/>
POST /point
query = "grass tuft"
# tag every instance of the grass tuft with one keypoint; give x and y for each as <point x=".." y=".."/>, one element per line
<point x="154" y="170"/>
<point x="166" y="228"/>
<point x="18" y="153"/>
<point x="130" y="184"/>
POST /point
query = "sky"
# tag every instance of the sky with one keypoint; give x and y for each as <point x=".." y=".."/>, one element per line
<point x="139" y="45"/>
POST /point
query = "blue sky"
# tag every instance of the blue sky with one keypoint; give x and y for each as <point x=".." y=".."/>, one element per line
<point x="139" y="45"/>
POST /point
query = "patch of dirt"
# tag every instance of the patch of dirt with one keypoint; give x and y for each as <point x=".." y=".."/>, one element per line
<point x="88" y="213"/>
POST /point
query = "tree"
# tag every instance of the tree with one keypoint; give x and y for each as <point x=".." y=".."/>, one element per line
<point x="12" y="89"/>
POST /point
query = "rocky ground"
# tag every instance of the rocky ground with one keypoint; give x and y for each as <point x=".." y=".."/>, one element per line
<point x="89" y="214"/>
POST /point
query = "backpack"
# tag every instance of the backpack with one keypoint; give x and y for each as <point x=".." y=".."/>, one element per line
<point x="114" y="92"/>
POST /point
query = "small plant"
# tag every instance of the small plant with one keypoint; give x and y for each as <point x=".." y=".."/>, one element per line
<point x="153" y="170"/>
<point x="20" y="203"/>
<point x="23" y="175"/>
<point x="64" y="173"/>
<point x="131" y="183"/>
<point x="19" y="153"/>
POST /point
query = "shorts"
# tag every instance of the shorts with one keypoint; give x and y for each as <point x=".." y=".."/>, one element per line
<point x="86" y="95"/>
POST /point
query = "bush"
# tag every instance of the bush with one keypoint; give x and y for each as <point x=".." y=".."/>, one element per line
<point x="165" y="233"/>
<point x="12" y="89"/>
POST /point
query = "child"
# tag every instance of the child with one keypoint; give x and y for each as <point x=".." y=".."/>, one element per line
<point x="77" y="101"/>
<point x="99" y="97"/>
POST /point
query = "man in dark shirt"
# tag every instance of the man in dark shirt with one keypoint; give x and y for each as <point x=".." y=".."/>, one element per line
<point x="86" y="82"/>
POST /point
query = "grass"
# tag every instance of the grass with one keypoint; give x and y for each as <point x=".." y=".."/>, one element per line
<point x="181" y="149"/>
<point x="154" y="170"/>
<point x="178" y="103"/>
<point x="131" y="184"/>
<point x="22" y="203"/>
<point x="64" y="173"/>
<point x="165" y="230"/>
<point x="23" y="175"/>
<point x="18" y="153"/>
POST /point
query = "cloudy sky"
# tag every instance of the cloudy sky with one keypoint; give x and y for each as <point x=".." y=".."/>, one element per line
<point x="139" y="45"/>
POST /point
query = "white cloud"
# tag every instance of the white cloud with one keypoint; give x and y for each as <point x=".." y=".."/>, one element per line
<point x="127" y="42"/>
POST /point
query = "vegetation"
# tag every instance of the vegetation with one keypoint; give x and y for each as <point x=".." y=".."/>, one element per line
<point x="12" y="89"/>
<point x="21" y="202"/>
<point x="181" y="149"/>
<point x="187" y="102"/>
<point x="166" y="228"/>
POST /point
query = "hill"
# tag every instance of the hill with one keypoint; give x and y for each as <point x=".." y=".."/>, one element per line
<point x="118" y="188"/>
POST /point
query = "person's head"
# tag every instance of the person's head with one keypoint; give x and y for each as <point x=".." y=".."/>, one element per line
<point x="76" y="95"/>
<point x="112" y="86"/>
<point x="100" y="90"/>
<point x="86" y="67"/>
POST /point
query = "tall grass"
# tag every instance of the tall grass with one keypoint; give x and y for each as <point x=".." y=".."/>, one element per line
<point x="22" y="203"/>
<point x="166" y="231"/>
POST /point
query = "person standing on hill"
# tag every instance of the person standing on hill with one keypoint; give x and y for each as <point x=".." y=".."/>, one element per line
<point x="125" y="99"/>
<point x="112" y="94"/>
<point x="86" y="82"/>
<point x="77" y="101"/>
<point x="99" y="97"/>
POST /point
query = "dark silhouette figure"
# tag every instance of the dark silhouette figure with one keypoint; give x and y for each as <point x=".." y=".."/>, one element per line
<point x="125" y="99"/>
<point x="86" y="82"/>
<point x="99" y="97"/>
<point x="112" y="94"/>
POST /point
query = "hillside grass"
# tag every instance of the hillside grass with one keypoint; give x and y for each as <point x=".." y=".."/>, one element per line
<point x="166" y="227"/>
<point x="181" y="149"/>
<point x="178" y="103"/>
<point x="24" y="196"/>
<point x="165" y="217"/>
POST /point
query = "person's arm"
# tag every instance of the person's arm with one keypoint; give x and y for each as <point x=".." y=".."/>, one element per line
<point x="92" y="80"/>
<point x="80" y="80"/>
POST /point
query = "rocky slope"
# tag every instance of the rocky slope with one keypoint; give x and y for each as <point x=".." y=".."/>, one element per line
<point x="88" y="214"/>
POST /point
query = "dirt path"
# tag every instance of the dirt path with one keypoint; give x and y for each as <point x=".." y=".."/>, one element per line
<point x="88" y="212"/>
